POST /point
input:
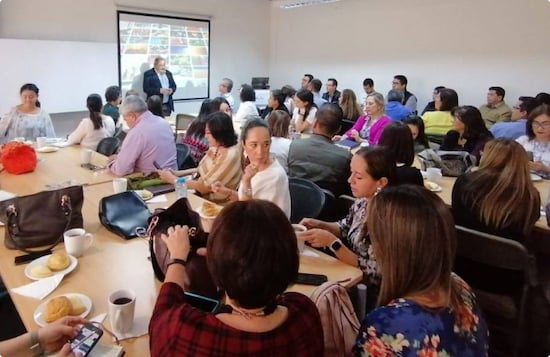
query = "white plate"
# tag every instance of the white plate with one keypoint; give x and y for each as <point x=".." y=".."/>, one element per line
<point x="47" y="149"/>
<point x="535" y="177"/>
<point x="44" y="260"/>
<point x="144" y="194"/>
<point x="39" y="312"/>
<point x="435" y="188"/>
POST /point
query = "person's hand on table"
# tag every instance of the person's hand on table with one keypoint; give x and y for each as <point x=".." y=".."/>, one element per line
<point x="217" y="187"/>
<point x="54" y="336"/>
<point x="337" y="138"/>
<point x="538" y="166"/>
<point x="310" y="223"/>
<point x="166" y="176"/>
<point x="318" y="238"/>
<point x="177" y="242"/>
<point x="355" y="135"/>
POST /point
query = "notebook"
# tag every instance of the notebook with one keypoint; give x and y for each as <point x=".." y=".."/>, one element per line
<point x="347" y="144"/>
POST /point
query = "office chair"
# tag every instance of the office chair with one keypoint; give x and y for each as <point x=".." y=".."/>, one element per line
<point x="184" y="159"/>
<point x="108" y="146"/>
<point x="345" y="125"/>
<point x="182" y="123"/>
<point x="503" y="298"/>
<point x="306" y="199"/>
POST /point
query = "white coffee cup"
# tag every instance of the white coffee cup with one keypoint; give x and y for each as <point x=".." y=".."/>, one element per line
<point x="86" y="156"/>
<point x="298" y="228"/>
<point x="20" y="139"/>
<point x="433" y="174"/>
<point x="122" y="304"/>
<point x="120" y="184"/>
<point x="77" y="241"/>
<point x="41" y="142"/>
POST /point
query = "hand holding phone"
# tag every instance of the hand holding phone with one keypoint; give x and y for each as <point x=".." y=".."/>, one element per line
<point x="530" y="155"/>
<point x="86" y="339"/>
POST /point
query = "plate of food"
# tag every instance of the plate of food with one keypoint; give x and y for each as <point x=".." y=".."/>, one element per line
<point x="144" y="194"/>
<point x="49" y="265"/>
<point x="72" y="304"/>
<point x="432" y="186"/>
<point x="209" y="210"/>
<point x="535" y="177"/>
<point x="47" y="149"/>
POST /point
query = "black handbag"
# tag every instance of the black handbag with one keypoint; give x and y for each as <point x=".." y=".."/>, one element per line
<point x="180" y="213"/>
<point x="122" y="213"/>
<point x="40" y="219"/>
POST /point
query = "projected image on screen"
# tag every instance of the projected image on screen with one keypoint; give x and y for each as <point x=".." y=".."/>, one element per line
<point x="182" y="42"/>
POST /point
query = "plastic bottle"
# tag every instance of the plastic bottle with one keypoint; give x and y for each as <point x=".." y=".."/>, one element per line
<point x="180" y="188"/>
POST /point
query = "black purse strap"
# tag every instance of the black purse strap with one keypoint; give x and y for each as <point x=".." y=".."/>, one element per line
<point x="13" y="228"/>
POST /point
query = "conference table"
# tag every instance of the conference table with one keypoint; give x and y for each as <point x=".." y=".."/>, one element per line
<point x="113" y="263"/>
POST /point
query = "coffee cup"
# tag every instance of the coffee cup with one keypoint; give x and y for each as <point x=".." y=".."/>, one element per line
<point x="86" y="156"/>
<point x="20" y="139"/>
<point x="41" y="142"/>
<point x="433" y="174"/>
<point x="120" y="184"/>
<point x="122" y="304"/>
<point x="77" y="241"/>
<point x="299" y="228"/>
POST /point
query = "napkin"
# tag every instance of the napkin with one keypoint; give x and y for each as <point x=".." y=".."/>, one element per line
<point x="309" y="253"/>
<point x="158" y="199"/>
<point x="139" y="328"/>
<point x="41" y="288"/>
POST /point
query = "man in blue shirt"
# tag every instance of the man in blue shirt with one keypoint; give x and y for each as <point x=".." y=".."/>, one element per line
<point x="516" y="127"/>
<point x="394" y="109"/>
<point x="315" y="87"/>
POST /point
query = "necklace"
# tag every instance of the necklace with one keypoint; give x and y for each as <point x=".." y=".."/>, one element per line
<point x="247" y="314"/>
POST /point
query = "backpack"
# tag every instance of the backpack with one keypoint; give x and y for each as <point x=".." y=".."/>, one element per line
<point x="451" y="163"/>
<point x="340" y="323"/>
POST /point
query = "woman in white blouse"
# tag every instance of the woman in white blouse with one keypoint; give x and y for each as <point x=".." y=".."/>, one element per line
<point x="304" y="112"/>
<point x="278" y="122"/>
<point x="91" y="130"/>
<point x="247" y="106"/>
<point x="537" y="140"/>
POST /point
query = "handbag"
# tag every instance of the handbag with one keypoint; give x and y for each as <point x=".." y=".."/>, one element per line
<point x="451" y="163"/>
<point x="41" y="219"/>
<point x="122" y="213"/>
<point x="180" y="213"/>
<point x="18" y="158"/>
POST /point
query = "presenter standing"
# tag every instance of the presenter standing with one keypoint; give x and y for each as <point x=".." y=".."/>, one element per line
<point x="159" y="81"/>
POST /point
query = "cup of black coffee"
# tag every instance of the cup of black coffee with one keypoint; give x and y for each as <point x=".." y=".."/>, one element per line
<point x="122" y="304"/>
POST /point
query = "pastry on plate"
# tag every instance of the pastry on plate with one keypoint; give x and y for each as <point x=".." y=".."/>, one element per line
<point x="431" y="185"/>
<point x="77" y="305"/>
<point x="210" y="209"/>
<point x="58" y="261"/>
<point x="41" y="271"/>
<point x="57" y="308"/>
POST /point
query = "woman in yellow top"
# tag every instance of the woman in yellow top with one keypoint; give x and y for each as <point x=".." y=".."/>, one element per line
<point x="221" y="162"/>
<point x="441" y="121"/>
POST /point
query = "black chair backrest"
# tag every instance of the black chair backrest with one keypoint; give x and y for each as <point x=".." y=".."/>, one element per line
<point x="345" y="126"/>
<point x="306" y="199"/>
<point x="184" y="159"/>
<point x="108" y="146"/>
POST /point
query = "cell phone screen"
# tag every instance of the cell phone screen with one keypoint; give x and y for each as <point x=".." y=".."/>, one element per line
<point x="201" y="302"/>
<point x="86" y="339"/>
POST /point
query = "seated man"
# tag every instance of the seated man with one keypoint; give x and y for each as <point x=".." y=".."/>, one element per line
<point x="394" y="109"/>
<point x="496" y="109"/>
<point x="315" y="87"/>
<point x="149" y="141"/>
<point x="409" y="100"/>
<point x="516" y="127"/>
<point x="332" y="94"/>
<point x="225" y="87"/>
<point x="317" y="158"/>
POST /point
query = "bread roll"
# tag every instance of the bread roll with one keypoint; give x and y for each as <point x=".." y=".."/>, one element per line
<point x="77" y="305"/>
<point x="58" y="261"/>
<point x="41" y="271"/>
<point x="57" y="308"/>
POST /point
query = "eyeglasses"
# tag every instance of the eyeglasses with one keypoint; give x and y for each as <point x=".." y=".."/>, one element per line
<point x="516" y="107"/>
<point x="543" y="125"/>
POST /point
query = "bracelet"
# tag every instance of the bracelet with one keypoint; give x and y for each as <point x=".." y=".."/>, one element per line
<point x="176" y="261"/>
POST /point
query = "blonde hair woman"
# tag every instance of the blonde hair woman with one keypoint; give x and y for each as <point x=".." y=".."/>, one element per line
<point x="424" y="309"/>
<point x="500" y="197"/>
<point x="349" y="105"/>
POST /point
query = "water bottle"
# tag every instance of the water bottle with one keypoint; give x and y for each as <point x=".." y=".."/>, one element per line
<point x="180" y="188"/>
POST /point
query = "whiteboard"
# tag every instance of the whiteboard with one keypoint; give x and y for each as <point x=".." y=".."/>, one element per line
<point x="66" y="72"/>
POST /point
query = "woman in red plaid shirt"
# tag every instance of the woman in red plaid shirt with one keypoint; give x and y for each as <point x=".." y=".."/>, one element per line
<point x="253" y="257"/>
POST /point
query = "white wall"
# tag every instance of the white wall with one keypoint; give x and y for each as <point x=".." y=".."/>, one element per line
<point x="239" y="31"/>
<point x="467" y="45"/>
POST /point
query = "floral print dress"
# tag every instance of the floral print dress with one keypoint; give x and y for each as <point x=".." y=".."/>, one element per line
<point x="405" y="329"/>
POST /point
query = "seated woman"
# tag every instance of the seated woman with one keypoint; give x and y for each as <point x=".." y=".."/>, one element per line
<point x="469" y="132"/>
<point x="220" y="104"/>
<point x="194" y="135"/>
<point x="372" y="169"/>
<point x="220" y="164"/>
<point x="278" y="123"/>
<point x="91" y="130"/>
<point x="416" y="125"/>
<point x="304" y="112"/>
<point x="276" y="101"/>
<point x="430" y="107"/>
<point x="263" y="177"/>
<point x="398" y="139"/>
<point x="248" y="104"/>
<point x="289" y="92"/>
<point x="368" y="127"/>
<point x="253" y="257"/>
<point x="440" y="121"/>
<point x="423" y="308"/>
<point x="154" y="104"/>
<point x="488" y="199"/>
<point x="537" y="140"/>
<point x="349" y="105"/>
<point x="26" y="120"/>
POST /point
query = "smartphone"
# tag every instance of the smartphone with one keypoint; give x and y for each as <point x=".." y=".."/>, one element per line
<point x="91" y="167"/>
<point x="22" y="259"/>
<point x="156" y="165"/>
<point x="86" y="339"/>
<point x="530" y="155"/>
<point x="311" y="279"/>
<point x="201" y="302"/>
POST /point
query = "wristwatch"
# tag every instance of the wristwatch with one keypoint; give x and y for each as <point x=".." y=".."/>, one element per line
<point x="176" y="261"/>
<point x="35" y="348"/>
<point x="334" y="246"/>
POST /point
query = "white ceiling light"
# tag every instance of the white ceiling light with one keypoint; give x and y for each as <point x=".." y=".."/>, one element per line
<point x="293" y="4"/>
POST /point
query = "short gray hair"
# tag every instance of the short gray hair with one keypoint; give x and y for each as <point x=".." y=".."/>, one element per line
<point x="394" y="96"/>
<point x="133" y="104"/>
<point x="157" y="60"/>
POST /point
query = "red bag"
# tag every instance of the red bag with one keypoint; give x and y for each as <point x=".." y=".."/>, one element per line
<point x="18" y="158"/>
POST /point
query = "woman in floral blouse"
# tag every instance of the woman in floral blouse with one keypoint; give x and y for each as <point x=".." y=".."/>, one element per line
<point x="424" y="309"/>
<point x="537" y="140"/>
<point x="372" y="168"/>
